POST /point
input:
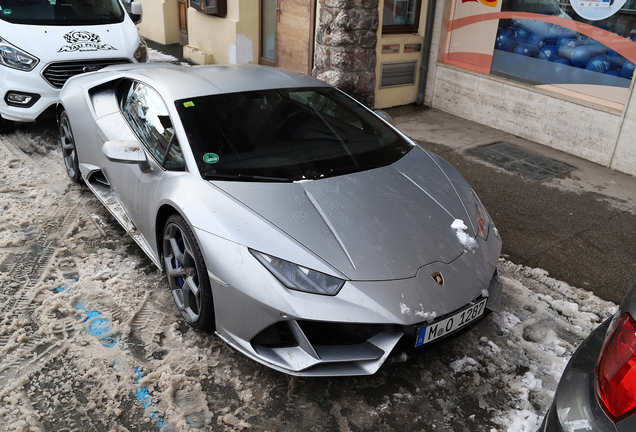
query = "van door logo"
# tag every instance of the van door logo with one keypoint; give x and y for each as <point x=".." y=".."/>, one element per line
<point x="82" y="41"/>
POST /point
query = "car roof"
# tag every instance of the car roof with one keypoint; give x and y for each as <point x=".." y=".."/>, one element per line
<point x="180" y="82"/>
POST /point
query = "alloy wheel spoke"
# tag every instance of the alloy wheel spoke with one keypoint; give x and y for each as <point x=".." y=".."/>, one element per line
<point x="191" y="284"/>
<point x="69" y="160"/>
<point x="191" y="295"/>
<point x="67" y="140"/>
<point x="68" y="144"/>
<point x="176" y="271"/>
<point x="174" y="245"/>
<point x="188" y="258"/>
<point x="179" y="300"/>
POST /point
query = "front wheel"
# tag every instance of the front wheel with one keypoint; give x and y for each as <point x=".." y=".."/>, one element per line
<point x="69" y="150"/>
<point x="187" y="274"/>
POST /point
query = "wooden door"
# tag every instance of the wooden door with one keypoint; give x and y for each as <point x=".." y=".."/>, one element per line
<point x="183" y="22"/>
<point x="287" y="34"/>
<point x="294" y="34"/>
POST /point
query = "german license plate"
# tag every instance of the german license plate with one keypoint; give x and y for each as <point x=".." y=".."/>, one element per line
<point x="436" y="330"/>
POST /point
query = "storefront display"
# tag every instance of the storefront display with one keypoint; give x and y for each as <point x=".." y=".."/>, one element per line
<point x="585" y="51"/>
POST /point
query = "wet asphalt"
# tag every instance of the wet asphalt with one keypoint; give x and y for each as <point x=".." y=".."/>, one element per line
<point x="580" y="226"/>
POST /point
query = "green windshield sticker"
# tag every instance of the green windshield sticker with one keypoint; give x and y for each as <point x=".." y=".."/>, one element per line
<point x="211" y="158"/>
<point x="188" y="104"/>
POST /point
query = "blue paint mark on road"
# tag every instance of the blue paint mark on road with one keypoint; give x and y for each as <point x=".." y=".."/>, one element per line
<point x="101" y="328"/>
<point x="144" y="397"/>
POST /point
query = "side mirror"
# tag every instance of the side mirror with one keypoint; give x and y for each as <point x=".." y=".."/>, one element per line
<point x="136" y="13"/>
<point x="126" y="152"/>
<point x="384" y="116"/>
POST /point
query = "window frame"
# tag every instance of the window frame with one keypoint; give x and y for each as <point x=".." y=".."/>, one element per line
<point x="217" y="7"/>
<point x="401" y="29"/>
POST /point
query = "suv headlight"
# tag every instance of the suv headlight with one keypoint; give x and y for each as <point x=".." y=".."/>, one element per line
<point x="13" y="57"/>
<point x="483" y="218"/>
<point x="141" y="53"/>
<point x="299" y="278"/>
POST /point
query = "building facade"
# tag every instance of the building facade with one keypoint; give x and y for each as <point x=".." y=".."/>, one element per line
<point x="370" y="48"/>
<point x="558" y="72"/>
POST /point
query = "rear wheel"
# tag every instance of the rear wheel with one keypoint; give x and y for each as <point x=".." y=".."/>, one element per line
<point x="187" y="274"/>
<point x="69" y="151"/>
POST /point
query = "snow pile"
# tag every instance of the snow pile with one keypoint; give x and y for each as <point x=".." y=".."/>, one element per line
<point x="419" y="314"/>
<point x="404" y="309"/>
<point x="158" y="56"/>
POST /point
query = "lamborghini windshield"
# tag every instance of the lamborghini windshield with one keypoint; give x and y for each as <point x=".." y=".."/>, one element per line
<point x="61" y="12"/>
<point x="286" y="135"/>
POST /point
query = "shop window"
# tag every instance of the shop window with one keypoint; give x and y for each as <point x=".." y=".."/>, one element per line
<point x="583" y="49"/>
<point x="401" y="16"/>
<point x="211" y="7"/>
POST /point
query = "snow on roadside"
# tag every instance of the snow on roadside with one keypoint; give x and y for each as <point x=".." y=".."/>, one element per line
<point x="158" y="56"/>
<point x="544" y="320"/>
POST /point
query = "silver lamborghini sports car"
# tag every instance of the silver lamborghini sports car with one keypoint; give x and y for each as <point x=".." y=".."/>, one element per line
<point x="310" y="234"/>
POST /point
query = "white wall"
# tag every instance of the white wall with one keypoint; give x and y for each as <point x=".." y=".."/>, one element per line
<point x="529" y="113"/>
<point x="160" y="21"/>
<point x="229" y="40"/>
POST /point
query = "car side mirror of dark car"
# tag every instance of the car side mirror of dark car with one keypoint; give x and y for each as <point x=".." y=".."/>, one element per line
<point x="127" y="152"/>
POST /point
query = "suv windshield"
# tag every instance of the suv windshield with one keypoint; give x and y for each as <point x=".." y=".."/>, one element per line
<point x="286" y="135"/>
<point x="61" y="12"/>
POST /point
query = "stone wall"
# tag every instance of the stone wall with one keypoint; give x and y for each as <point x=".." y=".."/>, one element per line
<point x="346" y="39"/>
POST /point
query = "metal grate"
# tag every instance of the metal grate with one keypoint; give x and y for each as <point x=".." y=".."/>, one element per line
<point x="521" y="161"/>
<point x="395" y="74"/>
<point x="57" y="74"/>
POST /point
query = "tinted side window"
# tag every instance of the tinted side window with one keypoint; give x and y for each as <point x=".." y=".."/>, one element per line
<point x="148" y="117"/>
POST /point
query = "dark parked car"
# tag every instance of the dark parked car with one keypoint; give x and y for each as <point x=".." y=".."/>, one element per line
<point x="597" y="391"/>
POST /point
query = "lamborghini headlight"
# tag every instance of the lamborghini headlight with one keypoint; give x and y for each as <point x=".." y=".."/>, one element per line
<point x="299" y="278"/>
<point x="13" y="57"/>
<point x="483" y="218"/>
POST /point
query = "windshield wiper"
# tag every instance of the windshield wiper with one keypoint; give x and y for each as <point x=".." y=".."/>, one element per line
<point x="244" y="177"/>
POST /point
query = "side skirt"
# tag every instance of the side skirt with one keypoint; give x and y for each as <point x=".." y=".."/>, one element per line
<point x="110" y="201"/>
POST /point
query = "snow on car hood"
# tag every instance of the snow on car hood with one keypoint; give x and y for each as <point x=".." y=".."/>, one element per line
<point x="75" y="42"/>
<point x="379" y="224"/>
